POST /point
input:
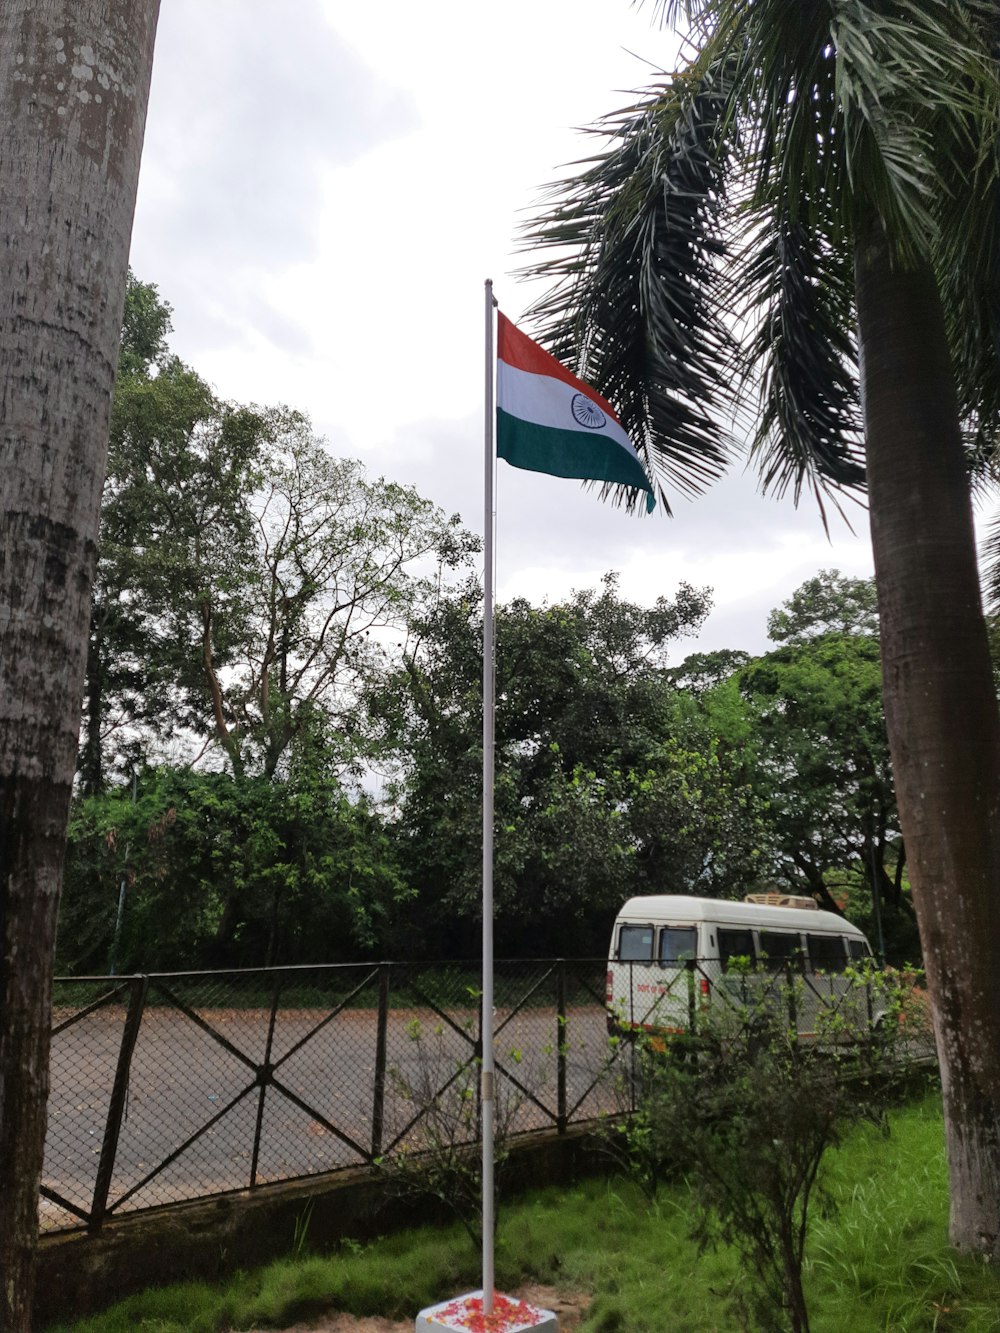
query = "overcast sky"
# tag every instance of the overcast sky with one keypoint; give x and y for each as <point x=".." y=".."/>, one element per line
<point x="325" y="187"/>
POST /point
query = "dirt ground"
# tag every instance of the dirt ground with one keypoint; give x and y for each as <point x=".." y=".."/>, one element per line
<point x="569" y="1308"/>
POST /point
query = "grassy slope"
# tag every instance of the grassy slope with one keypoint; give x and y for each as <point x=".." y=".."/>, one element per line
<point x="879" y="1261"/>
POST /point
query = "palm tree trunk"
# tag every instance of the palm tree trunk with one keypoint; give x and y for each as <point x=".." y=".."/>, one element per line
<point x="74" y="81"/>
<point x="941" y="710"/>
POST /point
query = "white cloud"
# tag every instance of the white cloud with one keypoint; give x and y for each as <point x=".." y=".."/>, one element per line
<point x="252" y="101"/>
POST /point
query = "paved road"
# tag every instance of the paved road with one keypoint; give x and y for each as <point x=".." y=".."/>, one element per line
<point x="183" y="1078"/>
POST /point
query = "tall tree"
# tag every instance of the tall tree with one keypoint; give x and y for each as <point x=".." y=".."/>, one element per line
<point x="819" y="726"/>
<point x="158" y="404"/>
<point x="812" y="170"/>
<point x="247" y="580"/>
<point x="342" y="562"/>
<point x="74" y="82"/>
<point x="175" y="571"/>
<point x="828" y="603"/>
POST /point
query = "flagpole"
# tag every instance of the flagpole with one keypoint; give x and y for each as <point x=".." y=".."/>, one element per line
<point x="488" y="1069"/>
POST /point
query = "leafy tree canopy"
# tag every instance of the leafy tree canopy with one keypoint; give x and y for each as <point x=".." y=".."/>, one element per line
<point x="213" y="870"/>
<point x="246" y="577"/>
<point x="598" y="793"/>
<point x="827" y="604"/>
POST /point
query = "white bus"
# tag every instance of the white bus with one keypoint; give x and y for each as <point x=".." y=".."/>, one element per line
<point x="670" y="953"/>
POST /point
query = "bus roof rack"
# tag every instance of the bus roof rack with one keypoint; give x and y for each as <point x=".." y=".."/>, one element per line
<point x="780" y="900"/>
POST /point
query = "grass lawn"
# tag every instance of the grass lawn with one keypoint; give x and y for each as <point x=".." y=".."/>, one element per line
<point x="878" y="1259"/>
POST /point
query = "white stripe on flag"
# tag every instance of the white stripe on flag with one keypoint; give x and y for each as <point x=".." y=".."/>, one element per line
<point x="549" y="402"/>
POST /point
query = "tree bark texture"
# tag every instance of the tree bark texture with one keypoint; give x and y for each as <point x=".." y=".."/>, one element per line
<point x="941" y="709"/>
<point x="74" y="84"/>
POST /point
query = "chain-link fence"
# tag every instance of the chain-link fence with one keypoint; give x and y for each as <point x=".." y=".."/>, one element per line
<point x="179" y="1086"/>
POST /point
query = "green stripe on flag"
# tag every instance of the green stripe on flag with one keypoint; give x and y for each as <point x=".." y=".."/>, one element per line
<point x="568" y="453"/>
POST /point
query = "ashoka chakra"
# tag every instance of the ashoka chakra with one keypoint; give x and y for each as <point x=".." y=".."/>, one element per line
<point x="587" y="413"/>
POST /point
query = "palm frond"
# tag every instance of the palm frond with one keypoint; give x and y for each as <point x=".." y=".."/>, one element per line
<point x="866" y="93"/>
<point x="791" y="291"/>
<point x="680" y="13"/>
<point x="800" y="359"/>
<point x="851" y="111"/>
<point x="989" y="555"/>
<point x="909" y="82"/>
<point x="812" y="124"/>
<point x="636" y="244"/>
<point x="968" y="257"/>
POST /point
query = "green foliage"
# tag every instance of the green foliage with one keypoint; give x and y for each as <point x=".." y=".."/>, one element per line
<point x="701" y="672"/>
<point x="225" y="871"/>
<point x="886" y="1245"/>
<point x="819" y="735"/>
<point x="627" y="1135"/>
<point x="819" y="729"/>
<point x="246" y="587"/>
<point x="175" y="539"/>
<point x="440" y="1153"/>
<point x="603" y="787"/>
<point x="748" y="1109"/>
<point x="266" y="605"/>
<point x="830" y="603"/>
<point x="145" y="325"/>
<point x="804" y="727"/>
<point x="731" y="194"/>
<point x="823" y="178"/>
<point x="171" y="599"/>
<point x="247" y="581"/>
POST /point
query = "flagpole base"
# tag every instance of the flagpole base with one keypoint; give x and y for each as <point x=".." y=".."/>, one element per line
<point x="465" y="1314"/>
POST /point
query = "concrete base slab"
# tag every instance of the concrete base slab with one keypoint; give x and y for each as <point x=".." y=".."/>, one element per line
<point x="465" y="1314"/>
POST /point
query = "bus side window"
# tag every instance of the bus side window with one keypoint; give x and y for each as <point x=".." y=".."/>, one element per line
<point x="781" y="948"/>
<point x="677" y="945"/>
<point x="826" y="953"/>
<point x="635" y="944"/>
<point x="858" y="949"/>
<point x="735" y="944"/>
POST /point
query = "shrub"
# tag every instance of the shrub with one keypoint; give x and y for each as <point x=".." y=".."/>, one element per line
<point x="746" y="1108"/>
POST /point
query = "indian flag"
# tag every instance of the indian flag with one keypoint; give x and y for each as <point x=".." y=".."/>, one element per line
<point x="549" y="421"/>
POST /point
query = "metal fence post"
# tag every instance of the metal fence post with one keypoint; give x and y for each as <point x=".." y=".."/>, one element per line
<point x="264" y="1072"/>
<point x="633" y="1041"/>
<point x="689" y="966"/>
<point x="138" y="986"/>
<point x="793" y="1016"/>
<point x="381" y="1031"/>
<point x="561" y="1046"/>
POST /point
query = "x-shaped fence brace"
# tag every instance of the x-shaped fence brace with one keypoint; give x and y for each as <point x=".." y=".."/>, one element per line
<point x="264" y="1074"/>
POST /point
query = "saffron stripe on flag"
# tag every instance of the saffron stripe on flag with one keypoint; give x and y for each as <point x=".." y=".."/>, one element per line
<point x="518" y="350"/>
